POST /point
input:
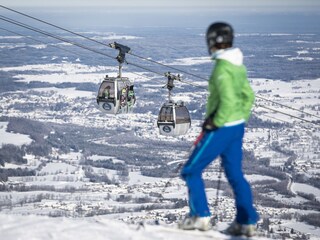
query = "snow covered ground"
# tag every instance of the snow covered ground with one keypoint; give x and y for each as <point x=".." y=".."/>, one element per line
<point x="12" y="138"/>
<point x="305" y="188"/>
<point x="13" y="227"/>
<point x="66" y="92"/>
<point x="189" y="61"/>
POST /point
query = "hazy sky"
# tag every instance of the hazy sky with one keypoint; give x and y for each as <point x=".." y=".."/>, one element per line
<point x="162" y="3"/>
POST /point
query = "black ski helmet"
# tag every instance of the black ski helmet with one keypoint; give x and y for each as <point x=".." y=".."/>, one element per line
<point x="219" y="33"/>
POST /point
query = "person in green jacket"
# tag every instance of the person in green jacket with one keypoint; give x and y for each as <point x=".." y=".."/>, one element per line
<point x="228" y="109"/>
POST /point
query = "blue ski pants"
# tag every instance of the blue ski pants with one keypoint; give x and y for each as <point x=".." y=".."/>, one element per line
<point x="225" y="142"/>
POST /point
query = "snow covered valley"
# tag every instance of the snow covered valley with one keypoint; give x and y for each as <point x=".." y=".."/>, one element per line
<point x="65" y="165"/>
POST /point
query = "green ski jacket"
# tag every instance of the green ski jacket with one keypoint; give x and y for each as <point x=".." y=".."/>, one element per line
<point x="230" y="94"/>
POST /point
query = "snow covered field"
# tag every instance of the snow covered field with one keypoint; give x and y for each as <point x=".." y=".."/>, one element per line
<point x="305" y="188"/>
<point x="12" y="138"/>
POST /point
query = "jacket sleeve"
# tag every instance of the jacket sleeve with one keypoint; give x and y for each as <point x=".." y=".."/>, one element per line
<point x="210" y="100"/>
<point x="227" y="101"/>
<point x="247" y="99"/>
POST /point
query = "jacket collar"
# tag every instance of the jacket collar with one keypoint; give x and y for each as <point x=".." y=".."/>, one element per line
<point x="232" y="55"/>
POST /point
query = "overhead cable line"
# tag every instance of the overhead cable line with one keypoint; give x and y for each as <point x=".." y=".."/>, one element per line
<point x="290" y="115"/>
<point x="278" y="119"/>
<point x="39" y="41"/>
<point x="36" y="40"/>
<point x="283" y="105"/>
<point x="107" y="55"/>
<point x="281" y="120"/>
<point x="81" y="46"/>
<point x="129" y="63"/>
<point x="274" y="118"/>
<point x="68" y="41"/>
<point x="146" y="59"/>
<point x="52" y="35"/>
<point x="99" y="42"/>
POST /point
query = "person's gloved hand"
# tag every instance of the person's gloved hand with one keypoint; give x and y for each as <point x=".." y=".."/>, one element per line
<point x="208" y="125"/>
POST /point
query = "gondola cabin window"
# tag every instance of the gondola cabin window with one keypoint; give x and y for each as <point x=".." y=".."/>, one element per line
<point x="166" y="114"/>
<point x="107" y="90"/>
<point x="182" y="115"/>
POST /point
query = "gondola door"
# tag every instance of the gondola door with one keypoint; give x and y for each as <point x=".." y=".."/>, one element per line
<point x="166" y="119"/>
<point x="107" y="96"/>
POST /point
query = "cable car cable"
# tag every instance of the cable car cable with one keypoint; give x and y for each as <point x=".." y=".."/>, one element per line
<point x="98" y="52"/>
<point x="96" y="41"/>
<point x="53" y="25"/>
<point x="75" y="53"/>
<point x="146" y="59"/>
<point x="283" y="105"/>
<point x="52" y="35"/>
<point x="133" y="64"/>
<point x="70" y="42"/>
<point x="75" y="43"/>
<point x="267" y="116"/>
<point x="107" y="45"/>
<point x="39" y="41"/>
<point x="280" y="120"/>
<point x="90" y="39"/>
<point x="290" y="115"/>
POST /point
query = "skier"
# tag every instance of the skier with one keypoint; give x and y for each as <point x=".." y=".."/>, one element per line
<point x="228" y="108"/>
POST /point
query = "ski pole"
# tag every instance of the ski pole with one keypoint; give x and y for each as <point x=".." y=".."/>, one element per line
<point x="198" y="139"/>
<point x="216" y="204"/>
<point x="178" y="168"/>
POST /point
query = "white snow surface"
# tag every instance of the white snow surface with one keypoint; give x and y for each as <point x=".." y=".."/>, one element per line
<point x="117" y="37"/>
<point x="68" y="72"/>
<point x="189" y="61"/>
<point x="69" y="68"/>
<point x="67" y="92"/>
<point x="11" y="37"/>
<point x="305" y="188"/>
<point x="138" y="178"/>
<point x="12" y="138"/>
<point x="13" y="227"/>
<point x="305" y="228"/>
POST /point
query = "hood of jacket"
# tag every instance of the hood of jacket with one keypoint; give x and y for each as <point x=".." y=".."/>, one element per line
<point x="232" y="55"/>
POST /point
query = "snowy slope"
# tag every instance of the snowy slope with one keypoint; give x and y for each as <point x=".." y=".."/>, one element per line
<point x="14" y="227"/>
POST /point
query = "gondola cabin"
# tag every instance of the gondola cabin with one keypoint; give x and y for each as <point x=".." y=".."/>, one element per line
<point x="174" y="119"/>
<point x="116" y="95"/>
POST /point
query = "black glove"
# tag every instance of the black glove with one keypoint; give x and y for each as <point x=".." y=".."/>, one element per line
<point x="208" y="125"/>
